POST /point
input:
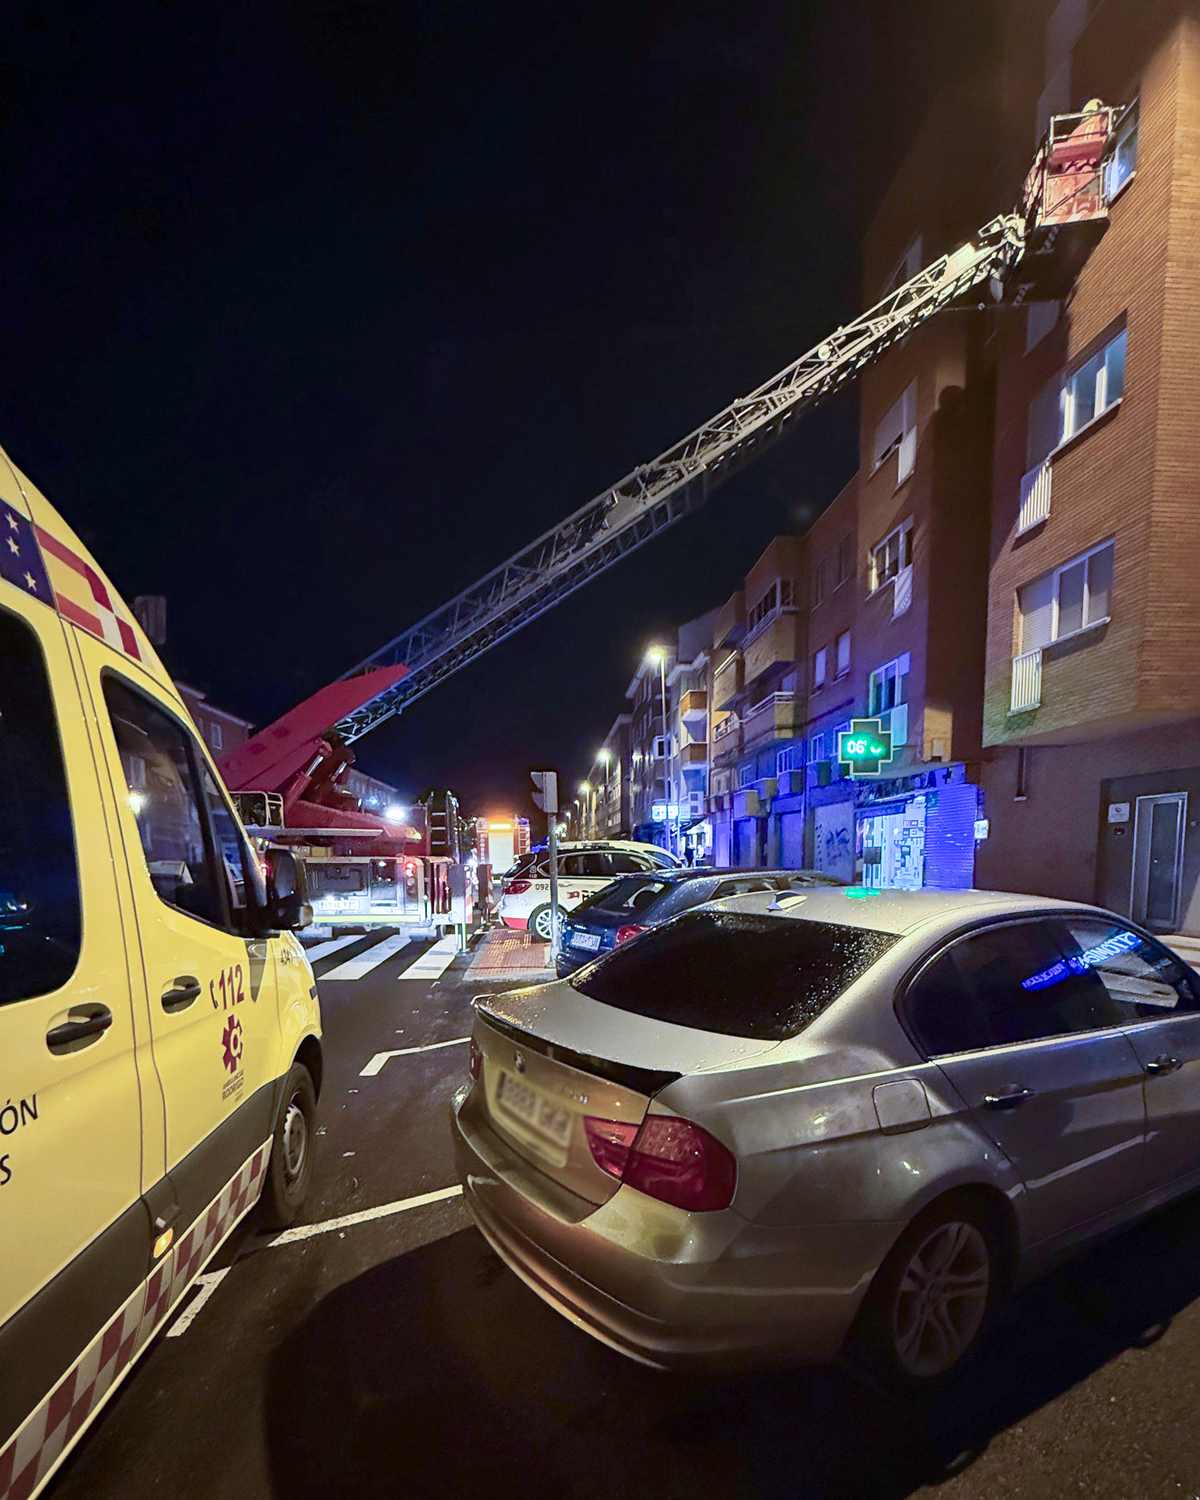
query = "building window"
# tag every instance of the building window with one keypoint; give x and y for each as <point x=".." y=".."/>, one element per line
<point x="888" y="685"/>
<point x="897" y="433"/>
<point x="843" y="653"/>
<point x="662" y="746"/>
<point x="820" y="667"/>
<point x="745" y="775"/>
<point x="905" y="268"/>
<point x="1072" y="598"/>
<point x="816" y="748"/>
<point x="1022" y="787"/>
<point x="778" y="596"/>
<point x="787" y="759"/>
<point x="845" y="559"/>
<point x="1040" y="318"/>
<point x="819" y="581"/>
<point x="1093" y="386"/>
<point x="1123" y="162"/>
<point x="890" y="556"/>
<point x="215" y="737"/>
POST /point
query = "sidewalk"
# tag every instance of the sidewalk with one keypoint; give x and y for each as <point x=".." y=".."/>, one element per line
<point x="508" y="955"/>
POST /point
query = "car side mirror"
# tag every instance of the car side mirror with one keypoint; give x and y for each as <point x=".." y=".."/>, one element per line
<point x="288" y="907"/>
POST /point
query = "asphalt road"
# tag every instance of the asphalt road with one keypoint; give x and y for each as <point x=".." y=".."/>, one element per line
<point x="396" y="1356"/>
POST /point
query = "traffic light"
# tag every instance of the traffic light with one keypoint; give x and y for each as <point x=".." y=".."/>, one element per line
<point x="546" y="795"/>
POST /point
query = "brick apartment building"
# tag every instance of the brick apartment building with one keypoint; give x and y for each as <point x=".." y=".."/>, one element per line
<point x="1007" y="581"/>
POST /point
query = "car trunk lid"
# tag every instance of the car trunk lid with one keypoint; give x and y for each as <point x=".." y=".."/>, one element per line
<point x="552" y="1058"/>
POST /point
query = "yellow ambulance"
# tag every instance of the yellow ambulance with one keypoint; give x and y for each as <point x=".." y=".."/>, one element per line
<point x="160" y="1054"/>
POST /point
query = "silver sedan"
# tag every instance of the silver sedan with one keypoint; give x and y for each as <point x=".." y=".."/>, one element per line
<point x="784" y="1123"/>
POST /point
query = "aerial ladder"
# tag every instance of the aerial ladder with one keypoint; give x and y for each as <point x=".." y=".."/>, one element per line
<point x="1031" y="253"/>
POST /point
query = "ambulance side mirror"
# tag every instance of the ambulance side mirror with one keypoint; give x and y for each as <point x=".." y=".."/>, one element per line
<point x="287" y="892"/>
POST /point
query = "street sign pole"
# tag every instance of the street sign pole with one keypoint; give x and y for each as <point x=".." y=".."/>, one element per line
<point x="546" y="797"/>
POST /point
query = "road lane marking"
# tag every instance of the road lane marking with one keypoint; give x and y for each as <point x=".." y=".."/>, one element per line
<point x="375" y="1066"/>
<point x="355" y="968"/>
<point x="434" y="962"/>
<point x="331" y="945"/>
<point x="365" y="1216"/>
<point x="205" y="1285"/>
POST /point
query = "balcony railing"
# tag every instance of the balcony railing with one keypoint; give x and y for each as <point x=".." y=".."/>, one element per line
<point x="693" y="709"/>
<point x="726" y="726"/>
<point x="1026" y="681"/>
<point x="727" y="681"/>
<point x="773" y="716"/>
<point x="694" y="754"/>
<point x="1035" y="497"/>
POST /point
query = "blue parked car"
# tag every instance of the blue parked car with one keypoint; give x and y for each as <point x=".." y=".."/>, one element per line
<point x="635" y="903"/>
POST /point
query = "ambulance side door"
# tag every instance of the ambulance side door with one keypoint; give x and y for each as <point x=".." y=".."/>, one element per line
<point x="75" y="1239"/>
<point x="210" y="985"/>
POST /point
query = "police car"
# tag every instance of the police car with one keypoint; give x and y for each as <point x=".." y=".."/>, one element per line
<point x="583" y="870"/>
<point x="160" y="1053"/>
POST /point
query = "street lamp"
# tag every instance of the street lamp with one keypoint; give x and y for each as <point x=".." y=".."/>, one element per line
<point x="658" y="654"/>
<point x="604" y="756"/>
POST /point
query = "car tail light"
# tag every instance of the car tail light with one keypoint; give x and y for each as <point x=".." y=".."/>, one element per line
<point x="516" y="887"/>
<point x="474" y="1059"/>
<point x="630" y="930"/>
<point x="667" y="1158"/>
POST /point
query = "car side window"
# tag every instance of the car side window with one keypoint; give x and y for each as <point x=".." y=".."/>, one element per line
<point x="246" y="881"/>
<point x="161" y="786"/>
<point x="595" y="864"/>
<point x="1007" y="984"/>
<point x="1141" y="976"/>
<point x="620" y="863"/>
<point x="570" y="865"/>
<point x="39" y="882"/>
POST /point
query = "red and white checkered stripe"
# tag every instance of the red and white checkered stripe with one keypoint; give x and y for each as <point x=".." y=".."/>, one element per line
<point x="28" y="1460"/>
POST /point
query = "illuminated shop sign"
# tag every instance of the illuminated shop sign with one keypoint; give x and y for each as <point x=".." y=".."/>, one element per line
<point x="865" y="748"/>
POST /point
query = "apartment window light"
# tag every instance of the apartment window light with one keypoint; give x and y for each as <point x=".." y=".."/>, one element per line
<point x="890" y="556"/>
<point x="216" y="739"/>
<point x="816" y="748"/>
<point x="787" y="759"/>
<point x="1122" y="164"/>
<point x="897" y="433"/>
<point x="843" y="653"/>
<point x="1092" y="387"/>
<point x="820" y="667"/>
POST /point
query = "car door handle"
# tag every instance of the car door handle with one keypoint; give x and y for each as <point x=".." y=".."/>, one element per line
<point x="1163" y="1064"/>
<point x="62" y="1038"/>
<point x="185" y="993"/>
<point x="1009" y="1099"/>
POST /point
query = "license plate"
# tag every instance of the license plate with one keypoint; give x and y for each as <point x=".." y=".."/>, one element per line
<point x="534" y="1109"/>
<point x="585" y="940"/>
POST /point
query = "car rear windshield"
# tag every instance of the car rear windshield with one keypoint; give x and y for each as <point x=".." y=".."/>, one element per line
<point x="736" y="973"/>
<point x="631" y="893"/>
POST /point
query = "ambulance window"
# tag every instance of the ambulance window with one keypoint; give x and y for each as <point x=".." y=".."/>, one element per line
<point x="39" y="886"/>
<point x="232" y="849"/>
<point x="162" y="793"/>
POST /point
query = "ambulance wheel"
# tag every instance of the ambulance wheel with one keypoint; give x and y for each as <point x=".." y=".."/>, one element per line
<point x="541" y="923"/>
<point x="290" y="1168"/>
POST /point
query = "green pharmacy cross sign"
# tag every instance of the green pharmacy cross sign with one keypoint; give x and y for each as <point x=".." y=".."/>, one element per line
<point x="865" y="748"/>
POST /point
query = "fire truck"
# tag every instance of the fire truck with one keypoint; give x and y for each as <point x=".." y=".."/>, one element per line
<point x="1031" y="253"/>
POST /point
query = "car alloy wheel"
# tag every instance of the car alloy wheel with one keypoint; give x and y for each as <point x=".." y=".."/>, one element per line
<point x="542" y="923"/>
<point x="941" y="1299"/>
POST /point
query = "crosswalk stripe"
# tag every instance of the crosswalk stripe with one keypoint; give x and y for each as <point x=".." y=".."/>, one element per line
<point x="355" y="968"/>
<point x="434" y="961"/>
<point x="331" y="945"/>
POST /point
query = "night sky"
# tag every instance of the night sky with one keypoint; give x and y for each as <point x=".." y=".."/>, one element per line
<point x="316" y="312"/>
